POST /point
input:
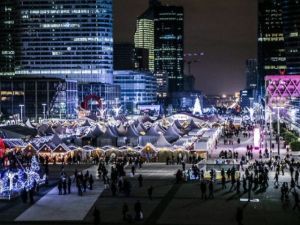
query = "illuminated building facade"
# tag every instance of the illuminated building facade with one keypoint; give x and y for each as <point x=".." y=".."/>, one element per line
<point x="291" y="28"/>
<point x="58" y="95"/>
<point x="66" y="39"/>
<point x="8" y="21"/>
<point x="144" y="35"/>
<point x="271" y="51"/>
<point x="136" y="88"/>
<point x="160" y="30"/>
<point x="168" y="51"/>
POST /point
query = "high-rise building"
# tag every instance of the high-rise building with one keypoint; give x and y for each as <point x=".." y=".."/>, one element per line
<point x="124" y="55"/>
<point x="291" y="28"/>
<point x="141" y="59"/>
<point x="144" y="34"/>
<point x="168" y="50"/>
<point x="8" y="17"/>
<point x="251" y="74"/>
<point x="136" y="88"/>
<point x="160" y="30"/>
<point x="271" y="51"/>
<point x="67" y="39"/>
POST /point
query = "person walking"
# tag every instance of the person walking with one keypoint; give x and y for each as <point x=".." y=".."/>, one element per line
<point x="203" y="190"/>
<point x="138" y="210"/>
<point x="91" y="182"/>
<point x="64" y="184"/>
<point x="223" y="181"/>
<point x="59" y="186"/>
<point x="133" y="170"/>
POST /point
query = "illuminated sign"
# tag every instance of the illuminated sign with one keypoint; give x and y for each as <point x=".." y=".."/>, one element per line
<point x="256" y="138"/>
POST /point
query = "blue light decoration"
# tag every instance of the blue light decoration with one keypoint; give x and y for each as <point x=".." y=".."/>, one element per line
<point x="12" y="182"/>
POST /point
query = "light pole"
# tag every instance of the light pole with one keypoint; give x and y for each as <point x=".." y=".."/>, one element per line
<point x="21" y="112"/>
<point x="44" y="110"/>
<point x="278" y="129"/>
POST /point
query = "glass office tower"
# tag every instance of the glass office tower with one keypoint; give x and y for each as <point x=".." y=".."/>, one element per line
<point x="169" y="41"/>
<point x="8" y="19"/>
<point x="66" y="39"/>
<point x="291" y="24"/>
<point x="271" y="51"/>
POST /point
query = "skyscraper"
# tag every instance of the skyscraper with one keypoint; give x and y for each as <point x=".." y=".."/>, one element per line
<point x="124" y="56"/>
<point x="271" y="51"/>
<point x="144" y="34"/>
<point x="160" y="30"/>
<point x="8" y="17"/>
<point x="70" y="39"/>
<point x="291" y="24"/>
<point x="251" y="74"/>
<point x="168" y="50"/>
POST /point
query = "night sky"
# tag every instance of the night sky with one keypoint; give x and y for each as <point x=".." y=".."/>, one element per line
<point x="225" y="30"/>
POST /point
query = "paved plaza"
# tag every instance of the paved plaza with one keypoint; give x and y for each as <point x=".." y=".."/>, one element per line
<point x="171" y="203"/>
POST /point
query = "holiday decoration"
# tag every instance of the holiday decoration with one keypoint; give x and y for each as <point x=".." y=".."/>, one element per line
<point x="197" y="107"/>
<point x="12" y="182"/>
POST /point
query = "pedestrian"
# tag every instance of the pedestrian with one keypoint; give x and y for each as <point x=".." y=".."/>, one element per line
<point x="133" y="170"/>
<point x="24" y="195"/>
<point x="84" y="184"/>
<point x="140" y="179"/>
<point x="138" y="210"/>
<point x="64" y="184"/>
<point x="276" y="183"/>
<point x="69" y="184"/>
<point x="297" y="177"/>
<point x="238" y="186"/>
<point x="183" y="165"/>
<point x="223" y="182"/>
<point x="203" y="189"/>
<point x="150" y="191"/>
<point x="59" y="186"/>
<point x="31" y="193"/>
<point x="91" y="181"/>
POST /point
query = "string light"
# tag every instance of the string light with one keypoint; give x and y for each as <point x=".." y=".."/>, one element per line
<point x="13" y="182"/>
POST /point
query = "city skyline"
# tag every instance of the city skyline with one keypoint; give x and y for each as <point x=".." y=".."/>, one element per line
<point x="212" y="37"/>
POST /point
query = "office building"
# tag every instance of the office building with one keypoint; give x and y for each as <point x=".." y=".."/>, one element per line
<point x="141" y="59"/>
<point x="93" y="96"/>
<point x="124" y="55"/>
<point x="162" y="84"/>
<point x="8" y="20"/>
<point x="66" y="39"/>
<point x="144" y="34"/>
<point x="291" y="29"/>
<point x="160" y="30"/>
<point x="37" y="97"/>
<point x="169" y="41"/>
<point x="251" y="74"/>
<point x="136" y="88"/>
<point x="271" y="51"/>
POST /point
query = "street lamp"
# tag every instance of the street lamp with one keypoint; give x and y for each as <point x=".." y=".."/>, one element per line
<point x="21" y="112"/>
<point x="44" y="109"/>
